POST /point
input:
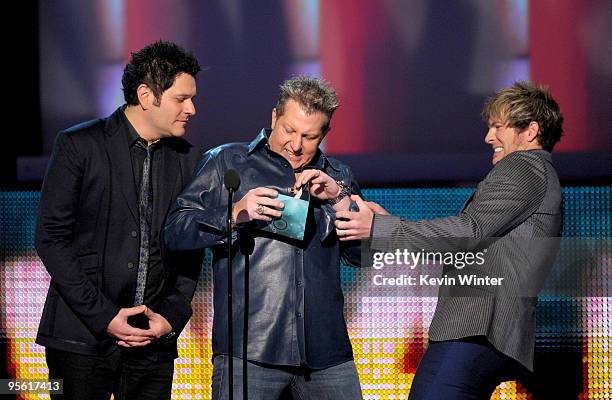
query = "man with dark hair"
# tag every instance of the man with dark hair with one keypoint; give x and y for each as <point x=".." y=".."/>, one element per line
<point x="297" y="337"/>
<point x="118" y="298"/>
<point x="483" y="335"/>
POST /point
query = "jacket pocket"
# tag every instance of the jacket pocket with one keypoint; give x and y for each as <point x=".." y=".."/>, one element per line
<point x="68" y="326"/>
<point x="48" y="315"/>
<point x="90" y="265"/>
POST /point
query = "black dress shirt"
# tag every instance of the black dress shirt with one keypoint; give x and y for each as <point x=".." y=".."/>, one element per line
<point x="155" y="270"/>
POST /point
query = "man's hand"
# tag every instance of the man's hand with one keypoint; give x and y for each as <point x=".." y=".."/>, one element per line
<point x="258" y="204"/>
<point x="377" y="208"/>
<point x="127" y="335"/>
<point x="352" y="225"/>
<point x="157" y="323"/>
<point x="322" y="186"/>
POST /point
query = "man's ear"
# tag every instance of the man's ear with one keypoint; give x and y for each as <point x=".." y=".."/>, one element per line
<point x="145" y="96"/>
<point x="273" y="117"/>
<point x="532" y="131"/>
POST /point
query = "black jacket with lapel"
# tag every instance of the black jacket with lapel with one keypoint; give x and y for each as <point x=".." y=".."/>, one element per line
<point x="87" y="236"/>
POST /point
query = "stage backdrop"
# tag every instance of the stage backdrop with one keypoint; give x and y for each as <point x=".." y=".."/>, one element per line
<point x="412" y="76"/>
<point x="388" y="330"/>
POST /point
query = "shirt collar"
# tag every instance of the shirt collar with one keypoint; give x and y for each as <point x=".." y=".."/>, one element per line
<point x="260" y="140"/>
<point x="132" y="136"/>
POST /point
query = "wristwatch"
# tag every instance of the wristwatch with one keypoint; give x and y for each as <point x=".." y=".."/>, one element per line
<point x="344" y="191"/>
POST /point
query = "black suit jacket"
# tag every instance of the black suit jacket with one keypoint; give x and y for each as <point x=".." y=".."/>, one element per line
<point x="87" y="236"/>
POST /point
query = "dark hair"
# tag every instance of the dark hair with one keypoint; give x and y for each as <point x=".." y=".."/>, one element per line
<point x="522" y="103"/>
<point x="157" y="66"/>
<point x="312" y="94"/>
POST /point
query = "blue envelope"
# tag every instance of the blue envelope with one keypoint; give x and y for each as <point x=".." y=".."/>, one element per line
<point x="293" y="221"/>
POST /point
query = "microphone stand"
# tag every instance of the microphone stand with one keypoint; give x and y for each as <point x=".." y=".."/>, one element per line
<point x="245" y="328"/>
<point x="232" y="182"/>
<point x="230" y="335"/>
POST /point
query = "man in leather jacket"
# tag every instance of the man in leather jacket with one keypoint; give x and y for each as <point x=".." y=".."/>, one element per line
<point x="297" y="336"/>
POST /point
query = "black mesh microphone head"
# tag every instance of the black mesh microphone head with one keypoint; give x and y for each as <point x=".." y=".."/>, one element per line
<point x="231" y="180"/>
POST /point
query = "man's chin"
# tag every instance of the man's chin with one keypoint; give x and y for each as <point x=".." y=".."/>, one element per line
<point x="496" y="158"/>
<point x="296" y="165"/>
<point x="180" y="133"/>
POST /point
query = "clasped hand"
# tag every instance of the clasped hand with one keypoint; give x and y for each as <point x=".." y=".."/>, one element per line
<point x="129" y="336"/>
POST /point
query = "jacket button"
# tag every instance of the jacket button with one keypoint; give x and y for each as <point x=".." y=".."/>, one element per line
<point x="299" y="283"/>
<point x="130" y="265"/>
<point x="299" y="315"/>
<point x="297" y="251"/>
<point x="134" y="234"/>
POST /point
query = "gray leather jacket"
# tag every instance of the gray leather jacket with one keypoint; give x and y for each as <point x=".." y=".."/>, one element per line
<point x="295" y="302"/>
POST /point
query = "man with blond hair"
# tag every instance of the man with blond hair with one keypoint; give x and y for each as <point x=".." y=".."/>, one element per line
<point x="483" y="335"/>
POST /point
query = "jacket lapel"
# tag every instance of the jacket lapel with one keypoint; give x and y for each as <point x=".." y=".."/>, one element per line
<point x="170" y="180"/>
<point x="120" y="161"/>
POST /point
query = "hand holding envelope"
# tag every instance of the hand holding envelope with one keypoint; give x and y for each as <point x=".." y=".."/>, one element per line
<point x="258" y="204"/>
<point x="322" y="186"/>
<point x="281" y="214"/>
<point x="292" y="222"/>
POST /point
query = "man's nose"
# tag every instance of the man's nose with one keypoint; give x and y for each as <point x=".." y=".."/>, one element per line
<point x="189" y="107"/>
<point x="296" y="143"/>
<point x="490" y="136"/>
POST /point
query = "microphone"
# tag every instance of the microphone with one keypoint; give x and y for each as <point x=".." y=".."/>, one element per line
<point x="231" y="180"/>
